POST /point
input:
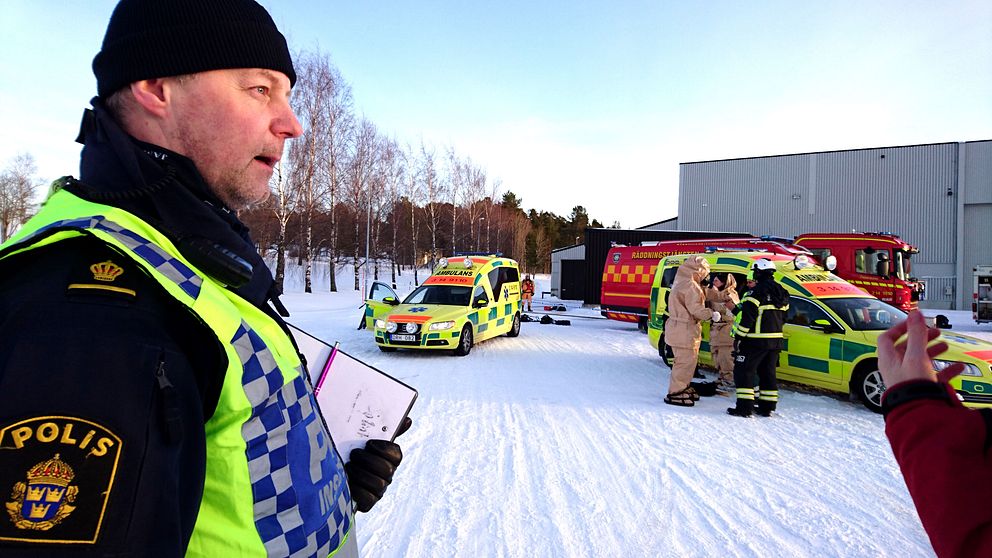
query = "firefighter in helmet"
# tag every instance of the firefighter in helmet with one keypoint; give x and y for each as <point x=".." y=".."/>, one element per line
<point x="759" y="341"/>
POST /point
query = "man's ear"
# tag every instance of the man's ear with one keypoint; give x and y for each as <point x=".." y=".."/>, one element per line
<point x="153" y="95"/>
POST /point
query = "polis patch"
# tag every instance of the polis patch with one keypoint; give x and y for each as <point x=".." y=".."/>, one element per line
<point x="58" y="472"/>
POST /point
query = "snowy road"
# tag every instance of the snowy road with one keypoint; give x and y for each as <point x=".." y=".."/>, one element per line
<point x="557" y="443"/>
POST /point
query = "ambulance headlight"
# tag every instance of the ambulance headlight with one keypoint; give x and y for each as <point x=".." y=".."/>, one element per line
<point x="442" y="325"/>
<point x="410" y="327"/>
<point x="391" y="327"/>
<point x="969" y="369"/>
<point x="802" y="261"/>
<point x="380" y="324"/>
<point x="831" y="263"/>
<point x="443" y="262"/>
<point x="468" y="262"/>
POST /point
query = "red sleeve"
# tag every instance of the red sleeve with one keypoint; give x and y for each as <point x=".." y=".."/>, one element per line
<point x="942" y="450"/>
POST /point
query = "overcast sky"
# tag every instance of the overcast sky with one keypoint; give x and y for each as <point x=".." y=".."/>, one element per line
<point x="579" y="103"/>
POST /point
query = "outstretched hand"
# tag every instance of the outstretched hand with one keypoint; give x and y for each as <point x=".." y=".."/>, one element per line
<point x="901" y="359"/>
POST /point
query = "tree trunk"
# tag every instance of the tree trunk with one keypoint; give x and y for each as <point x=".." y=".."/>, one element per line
<point x="307" y="286"/>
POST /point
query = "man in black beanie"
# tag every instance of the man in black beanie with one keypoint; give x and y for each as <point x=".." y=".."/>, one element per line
<point x="152" y="400"/>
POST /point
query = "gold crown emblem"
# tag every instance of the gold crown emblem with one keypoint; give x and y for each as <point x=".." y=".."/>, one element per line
<point x="54" y="471"/>
<point x="54" y="494"/>
<point x="38" y="510"/>
<point x="106" y="271"/>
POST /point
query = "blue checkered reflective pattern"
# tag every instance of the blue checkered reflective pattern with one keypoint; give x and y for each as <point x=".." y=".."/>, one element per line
<point x="162" y="261"/>
<point x="302" y="501"/>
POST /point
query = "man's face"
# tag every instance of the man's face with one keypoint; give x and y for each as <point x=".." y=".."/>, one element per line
<point x="233" y="124"/>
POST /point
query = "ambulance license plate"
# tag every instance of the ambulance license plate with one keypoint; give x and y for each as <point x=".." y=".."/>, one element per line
<point x="403" y="337"/>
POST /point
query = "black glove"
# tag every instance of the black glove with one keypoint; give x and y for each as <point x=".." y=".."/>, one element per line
<point x="370" y="469"/>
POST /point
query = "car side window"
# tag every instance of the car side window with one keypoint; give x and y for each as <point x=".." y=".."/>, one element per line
<point x="495" y="280"/>
<point x="802" y="312"/>
<point x="480" y="292"/>
<point x="508" y="275"/>
<point x="668" y="277"/>
<point x="380" y="292"/>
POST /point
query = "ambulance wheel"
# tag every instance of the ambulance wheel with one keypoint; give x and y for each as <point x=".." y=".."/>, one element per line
<point x="386" y="349"/>
<point x="642" y="325"/>
<point x="869" y="387"/>
<point x="666" y="353"/>
<point x="464" y="341"/>
<point x="515" y="328"/>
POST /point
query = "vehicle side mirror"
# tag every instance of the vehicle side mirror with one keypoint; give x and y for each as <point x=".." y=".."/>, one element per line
<point x="480" y="302"/>
<point x="822" y="325"/>
<point x="390" y="301"/>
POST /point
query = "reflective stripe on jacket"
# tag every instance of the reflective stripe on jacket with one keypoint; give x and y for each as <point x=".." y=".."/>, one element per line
<point x="274" y="483"/>
<point x="760" y="316"/>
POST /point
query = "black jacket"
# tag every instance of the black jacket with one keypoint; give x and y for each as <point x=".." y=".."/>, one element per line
<point x="763" y="314"/>
<point x="114" y="384"/>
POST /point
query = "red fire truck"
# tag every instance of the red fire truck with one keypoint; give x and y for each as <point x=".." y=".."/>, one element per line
<point x="629" y="270"/>
<point x="878" y="263"/>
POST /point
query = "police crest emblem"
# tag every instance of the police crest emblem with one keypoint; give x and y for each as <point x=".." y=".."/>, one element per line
<point x="60" y="471"/>
<point x="45" y="500"/>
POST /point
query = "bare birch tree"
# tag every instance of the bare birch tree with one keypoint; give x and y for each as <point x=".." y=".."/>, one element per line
<point x="306" y="153"/>
<point x="17" y="187"/>
<point x="339" y="120"/>
<point x="456" y="183"/>
<point x="413" y="193"/>
<point x="491" y="211"/>
<point x="392" y="172"/>
<point x="472" y="194"/>
<point x="283" y="210"/>
<point x="433" y="190"/>
<point x="359" y="188"/>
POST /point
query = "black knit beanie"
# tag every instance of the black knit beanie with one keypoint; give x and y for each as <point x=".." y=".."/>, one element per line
<point x="149" y="39"/>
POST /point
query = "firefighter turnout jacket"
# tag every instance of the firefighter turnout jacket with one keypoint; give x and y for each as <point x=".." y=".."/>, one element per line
<point x="762" y="314"/>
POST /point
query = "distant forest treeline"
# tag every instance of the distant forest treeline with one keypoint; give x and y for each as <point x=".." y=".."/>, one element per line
<point x="344" y="187"/>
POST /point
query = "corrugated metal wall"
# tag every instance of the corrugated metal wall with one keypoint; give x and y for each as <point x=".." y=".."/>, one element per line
<point x="978" y="172"/>
<point x="667" y="225"/>
<point x="904" y="190"/>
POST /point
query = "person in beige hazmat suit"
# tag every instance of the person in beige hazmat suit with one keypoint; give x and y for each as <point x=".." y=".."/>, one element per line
<point x="686" y="309"/>
<point x="722" y="297"/>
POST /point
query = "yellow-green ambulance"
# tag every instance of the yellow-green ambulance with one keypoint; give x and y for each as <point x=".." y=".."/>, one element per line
<point x="831" y="330"/>
<point x="466" y="300"/>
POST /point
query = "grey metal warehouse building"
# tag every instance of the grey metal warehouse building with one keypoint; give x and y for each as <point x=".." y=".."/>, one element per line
<point x="936" y="196"/>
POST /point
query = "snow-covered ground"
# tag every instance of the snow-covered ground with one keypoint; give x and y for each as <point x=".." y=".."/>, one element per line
<point x="557" y="443"/>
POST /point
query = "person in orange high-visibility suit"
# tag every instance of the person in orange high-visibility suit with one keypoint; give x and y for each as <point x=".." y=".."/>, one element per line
<point x="527" y="288"/>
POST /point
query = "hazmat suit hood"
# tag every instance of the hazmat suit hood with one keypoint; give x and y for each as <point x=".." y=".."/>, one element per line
<point x="694" y="269"/>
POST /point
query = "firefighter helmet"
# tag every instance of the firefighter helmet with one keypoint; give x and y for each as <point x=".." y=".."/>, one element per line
<point x="764" y="264"/>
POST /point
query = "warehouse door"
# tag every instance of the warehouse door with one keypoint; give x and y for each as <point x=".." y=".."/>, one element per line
<point x="573" y="273"/>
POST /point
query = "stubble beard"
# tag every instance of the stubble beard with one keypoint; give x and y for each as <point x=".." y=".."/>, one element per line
<point x="231" y="188"/>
